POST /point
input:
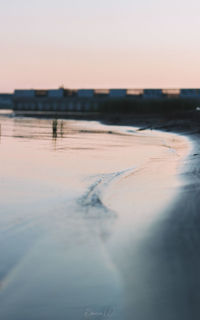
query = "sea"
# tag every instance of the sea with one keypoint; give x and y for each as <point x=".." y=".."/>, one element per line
<point x="79" y="201"/>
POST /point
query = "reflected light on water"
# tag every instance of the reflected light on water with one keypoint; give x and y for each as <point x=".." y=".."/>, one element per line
<point x="75" y="197"/>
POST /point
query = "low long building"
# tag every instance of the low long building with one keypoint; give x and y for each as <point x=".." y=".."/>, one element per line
<point x="55" y="100"/>
<point x="190" y="93"/>
<point x="89" y="100"/>
<point x="152" y="93"/>
<point x="6" y="100"/>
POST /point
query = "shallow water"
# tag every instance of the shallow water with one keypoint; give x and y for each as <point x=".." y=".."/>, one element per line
<point x="76" y="207"/>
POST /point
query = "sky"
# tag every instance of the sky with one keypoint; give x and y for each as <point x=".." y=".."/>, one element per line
<point x="99" y="44"/>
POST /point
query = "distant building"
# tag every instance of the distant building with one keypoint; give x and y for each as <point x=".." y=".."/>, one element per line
<point x="61" y="100"/>
<point x="41" y="93"/>
<point x="101" y="93"/>
<point x="190" y="93"/>
<point x="56" y="93"/>
<point x="24" y="93"/>
<point x="117" y="93"/>
<point x="171" y="93"/>
<point x="90" y="100"/>
<point x="134" y="93"/>
<point x="5" y="100"/>
<point x="85" y="93"/>
<point x="152" y="93"/>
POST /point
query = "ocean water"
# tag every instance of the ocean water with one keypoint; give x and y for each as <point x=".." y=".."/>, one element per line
<point x="76" y="207"/>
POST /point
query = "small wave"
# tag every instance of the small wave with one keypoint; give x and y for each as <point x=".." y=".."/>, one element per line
<point x="93" y="198"/>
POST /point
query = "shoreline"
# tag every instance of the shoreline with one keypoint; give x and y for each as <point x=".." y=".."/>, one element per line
<point x="174" y="249"/>
<point x="167" y="259"/>
<point x="178" y="122"/>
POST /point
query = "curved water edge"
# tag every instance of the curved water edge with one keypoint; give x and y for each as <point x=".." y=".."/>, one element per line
<point x="136" y="246"/>
<point x="81" y="210"/>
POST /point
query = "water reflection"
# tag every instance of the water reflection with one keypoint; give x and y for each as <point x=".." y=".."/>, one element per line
<point x="62" y="128"/>
<point x="54" y="128"/>
<point x="72" y="216"/>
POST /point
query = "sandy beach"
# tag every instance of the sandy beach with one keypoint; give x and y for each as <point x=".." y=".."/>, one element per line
<point x="98" y="222"/>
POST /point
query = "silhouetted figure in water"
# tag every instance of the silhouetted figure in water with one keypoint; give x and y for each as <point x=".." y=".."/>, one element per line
<point x="61" y="128"/>
<point x="54" y="128"/>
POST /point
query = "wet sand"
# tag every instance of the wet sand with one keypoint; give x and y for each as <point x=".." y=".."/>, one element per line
<point x="97" y="222"/>
<point x="172" y="276"/>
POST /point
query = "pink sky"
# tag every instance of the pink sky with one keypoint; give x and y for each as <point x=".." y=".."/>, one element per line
<point x="45" y="44"/>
